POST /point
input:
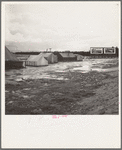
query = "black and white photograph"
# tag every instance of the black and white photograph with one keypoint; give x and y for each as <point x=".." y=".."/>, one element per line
<point x="62" y="58"/>
<point x="62" y="62"/>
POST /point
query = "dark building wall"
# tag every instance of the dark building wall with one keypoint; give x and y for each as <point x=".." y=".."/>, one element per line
<point x="69" y="59"/>
<point x="14" y="64"/>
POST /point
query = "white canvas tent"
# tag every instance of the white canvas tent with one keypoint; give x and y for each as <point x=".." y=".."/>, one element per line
<point x="36" y="60"/>
<point x="9" y="56"/>
<point x="50" y="57"/>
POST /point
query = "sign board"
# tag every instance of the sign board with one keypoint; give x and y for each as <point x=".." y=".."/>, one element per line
<point x="96" y="50"/>
<point x="109" y="50"/>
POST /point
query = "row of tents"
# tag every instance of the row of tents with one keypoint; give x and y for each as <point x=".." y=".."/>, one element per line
<point x="43" y="59"/>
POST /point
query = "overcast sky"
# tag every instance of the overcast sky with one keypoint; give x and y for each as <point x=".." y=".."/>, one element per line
<point x="62" y="25"/>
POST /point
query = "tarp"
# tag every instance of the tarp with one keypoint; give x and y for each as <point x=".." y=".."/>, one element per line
<point x="9" y="56"/>
<point x="36" y="60"/>
<point x="49" y="56"/>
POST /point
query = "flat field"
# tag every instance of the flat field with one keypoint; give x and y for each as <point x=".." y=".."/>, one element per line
<point x="65" y="88"/>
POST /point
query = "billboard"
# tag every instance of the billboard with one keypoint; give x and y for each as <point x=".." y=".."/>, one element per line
<point x="109" y="50"/>
<point x="96" y="50"/>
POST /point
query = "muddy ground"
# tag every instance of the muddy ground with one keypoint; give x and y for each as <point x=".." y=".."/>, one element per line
<point x="78" y="88"/>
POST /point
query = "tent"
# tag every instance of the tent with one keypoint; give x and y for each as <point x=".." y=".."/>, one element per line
<point x="66" y="56"/>
<point x="9" y="56"/>
<point x="50" y="57"/>
<point x="79" y="57"/>
<point x="29" y="60"/>
<point x="12" y="48"/>
<point x="55" y="58"/>
<point x="36" y="60"/>
<point x="11" y="61"/>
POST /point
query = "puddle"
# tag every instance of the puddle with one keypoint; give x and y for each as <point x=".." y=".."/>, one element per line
<point x="43" y="76"/>
<point x="104" y="70"/>
<point x="95" y="65"/>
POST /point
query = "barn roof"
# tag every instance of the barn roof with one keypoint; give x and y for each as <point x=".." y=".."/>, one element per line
<point x="78" y="55"/>
<point x="67" y="55"/>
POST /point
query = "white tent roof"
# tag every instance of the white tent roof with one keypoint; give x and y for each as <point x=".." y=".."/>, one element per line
<point x="9" y="56"/>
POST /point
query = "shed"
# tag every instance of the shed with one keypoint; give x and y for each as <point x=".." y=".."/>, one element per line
<point x="66" y="56"/>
